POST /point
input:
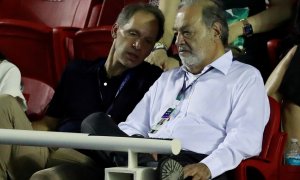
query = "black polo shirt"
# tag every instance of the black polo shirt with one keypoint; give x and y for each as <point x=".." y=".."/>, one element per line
<point x="84" y="89"/>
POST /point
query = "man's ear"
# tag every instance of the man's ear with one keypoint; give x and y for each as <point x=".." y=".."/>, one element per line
<point x="114" y="30"/>
<point x="217" y="28"/>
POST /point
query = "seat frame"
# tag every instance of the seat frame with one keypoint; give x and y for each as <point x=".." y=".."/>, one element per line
<point x="270" y="159"/>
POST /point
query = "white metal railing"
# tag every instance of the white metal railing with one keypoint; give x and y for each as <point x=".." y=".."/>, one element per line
<point x="84" y="141"/>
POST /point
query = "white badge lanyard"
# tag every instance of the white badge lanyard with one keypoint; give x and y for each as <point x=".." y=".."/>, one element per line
<point x="180" y="96"/>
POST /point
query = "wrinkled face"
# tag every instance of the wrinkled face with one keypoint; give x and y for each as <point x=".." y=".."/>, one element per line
<point x="195" y="42"/>
<point x="135" y="40"/>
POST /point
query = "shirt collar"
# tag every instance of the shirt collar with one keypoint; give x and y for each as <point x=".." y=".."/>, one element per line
<point x="222" y="64"/>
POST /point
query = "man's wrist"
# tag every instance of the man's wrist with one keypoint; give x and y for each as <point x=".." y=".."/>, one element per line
<point x="159" y="45"/>
<point x="247" y="28"/>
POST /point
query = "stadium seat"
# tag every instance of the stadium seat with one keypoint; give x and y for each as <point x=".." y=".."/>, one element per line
<point x="273" y="46"/>
<point x="92" y="43"/>
<point x="38" y="50"/>
<point x="38" y="95"/>
<point x="111" y="9"/>
<point x="7" y="7"/>
<point x="53" y="13"/>
<point x="95" y="14"/>
<point x="270" y="158"/>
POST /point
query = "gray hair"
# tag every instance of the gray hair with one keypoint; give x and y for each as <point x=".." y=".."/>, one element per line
<point x="214" y="12"/>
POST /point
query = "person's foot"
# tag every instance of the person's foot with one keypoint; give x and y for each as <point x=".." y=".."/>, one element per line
<point x="169" y="169"/>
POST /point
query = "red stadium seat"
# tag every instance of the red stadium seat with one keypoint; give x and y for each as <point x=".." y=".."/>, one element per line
<point x="273" y="46"/>
<point x="39" y="51"/>
<point x="92" y="43"/>
<point x="111" y="9"/>
<point x="38" y="96"/>
<point x="109" y="12"/>
<point x="53" y="13"/>
<point x="7" y="7"/>
<point x="95" y="14"/>
<point x="288" y="172"/>
<point x="270" y="158"/>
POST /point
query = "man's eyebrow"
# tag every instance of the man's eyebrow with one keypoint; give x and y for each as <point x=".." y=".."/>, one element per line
<point x="132" y="29"/>
<point x="140" y="33"/>
<point x="181" y="28"/>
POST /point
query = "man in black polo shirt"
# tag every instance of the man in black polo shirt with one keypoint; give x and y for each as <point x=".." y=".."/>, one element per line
<point x="113" y="85"/>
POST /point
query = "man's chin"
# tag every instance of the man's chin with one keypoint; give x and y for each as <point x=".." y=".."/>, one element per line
<point x="132" y="64"/>
<point x="184" y="58"/>
<point x="189" y="61"/>
<point x="184" y="54"/>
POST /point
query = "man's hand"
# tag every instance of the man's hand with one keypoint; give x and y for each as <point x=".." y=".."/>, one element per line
<point x="47" y="123"/>
<point x="198" y="171"/>
<point x="160" y="58"/>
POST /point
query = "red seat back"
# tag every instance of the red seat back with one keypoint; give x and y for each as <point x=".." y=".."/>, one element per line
<point x="272" y="128"/>
<point x="39" y="51"/>
<point x="273" y="46"/>
<point x="53" y="13"/>
<point x="95" y="14"/>
<point x="111" y="9"/>
<point x="7" y="7"/>
<point x="92" y="43"/>
<point x="38" y="95"/>
<point x="270" y="158"/>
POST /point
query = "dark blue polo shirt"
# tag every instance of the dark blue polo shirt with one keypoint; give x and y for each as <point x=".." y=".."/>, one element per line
<point x="84" y="89"/>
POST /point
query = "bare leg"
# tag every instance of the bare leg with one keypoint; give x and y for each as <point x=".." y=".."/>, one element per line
<point x="273" y="83"/>
<point x="291" y="119"/>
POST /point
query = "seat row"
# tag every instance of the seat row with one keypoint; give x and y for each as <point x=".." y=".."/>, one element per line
<point x="69" y="13"/>
<point x="39" y="51"/>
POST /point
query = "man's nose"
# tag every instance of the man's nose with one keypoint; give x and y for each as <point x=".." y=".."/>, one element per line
<point x="179" y="39"/>
<point x="137" y="44"/>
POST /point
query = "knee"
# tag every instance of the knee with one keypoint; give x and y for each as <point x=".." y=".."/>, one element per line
<point x="90" y="122"/>
<point x="7" y="101"/>
<point x="8" y="108"/>
<point x="66" y="172"/>
<point x="43" y="174"/>
<point x="9" y="105"/>
<point x="37" y="176"/>
<point x="96" y="123"/>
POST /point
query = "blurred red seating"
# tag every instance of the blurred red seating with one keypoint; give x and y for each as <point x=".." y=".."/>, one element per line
<point x="38" y="95"/>
<point x="273" y="53"/>
<point x="270" y="158"/>
<point x="38" y="50"/>
<point x="95" y="14"/>
<point x="92" y="43"/>
<point x="53" y="13"/>
<point x="111" y="9"/>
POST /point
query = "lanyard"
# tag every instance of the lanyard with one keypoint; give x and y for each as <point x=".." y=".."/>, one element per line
<point x="122" y="85"/>
<point x="167" y="115"/>
<point x="125" y="80"/>
<point x="184" y="88"/>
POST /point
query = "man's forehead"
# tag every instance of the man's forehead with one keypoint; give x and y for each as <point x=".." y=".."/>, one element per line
<point x="188" y="16"/>
<point x="142" y="17"/>
<point x="144" y="22"/>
